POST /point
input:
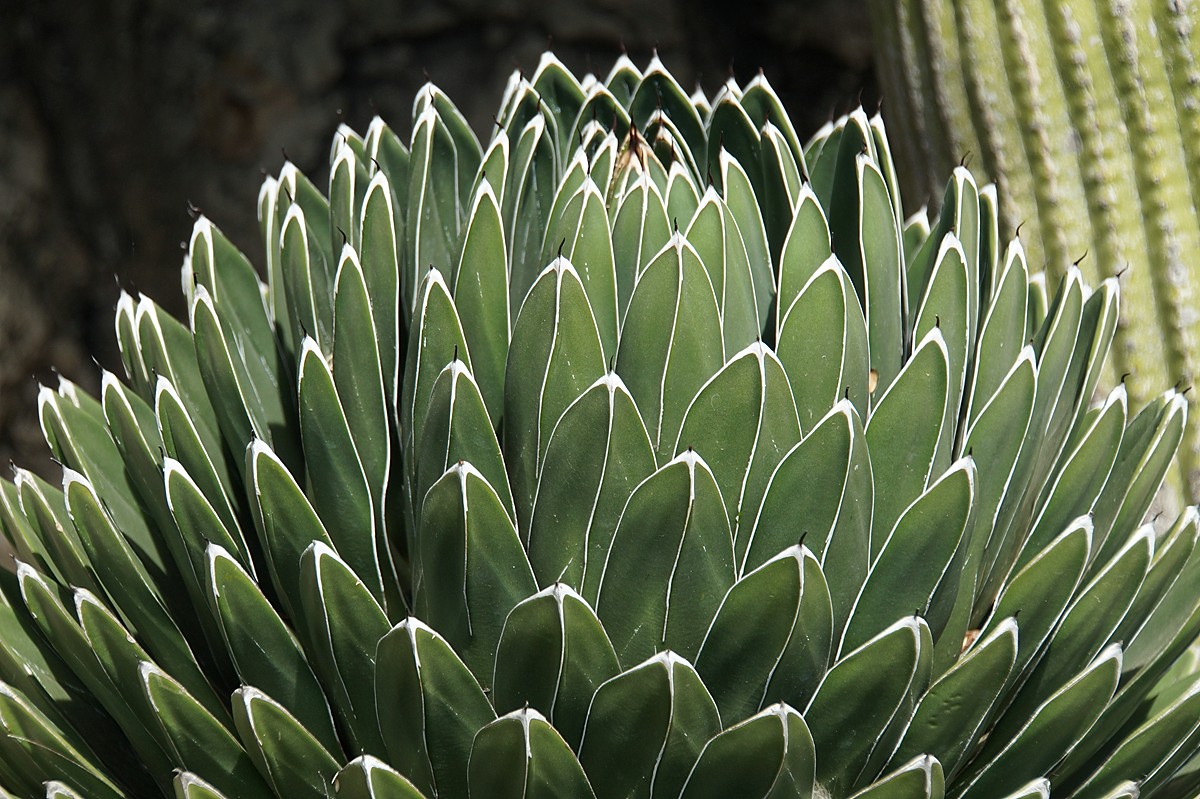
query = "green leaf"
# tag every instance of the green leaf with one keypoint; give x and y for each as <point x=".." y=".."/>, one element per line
<point x="681" y="197"/>
<point x="646" y="728"/>
<point x="659" y="90"/>
<point x="1146" y="750"/>
<point x="521" y="756"/>
<point x="45" y="508"/>
<point x="580" y="495"/>
<point x="347" y="185"/>
<point x="367" y="777"/>
<point x="74" y="426"/>
<point x="198" y="524"/>
<point x="129" y="584"/>
<point x="999" y="431"/>
<point x="1086" y="626"/>
<point x="1036" y="789"/>
<point x="866" y="694"/>
<point x="44" y="753"/>
<point x="772" y="637"/>
<point x="823" y="344"/>
<point x="211" y="471"/>
<point x="532" y="174"/>
<point x="237" y="294"/>
<point x="945" y="725"/>
<point x="670" y="563"/>
<point x="432" y="223"/>
<point x="920" y="562"/>
<point x="480" y="289"/>
<point x="555" y="355"/>
<point x="866" y="238"/>
<point x="553" y="654"/>
<point x="469" y="567"/>
<point x="189" y="786"/>
<point x="822" y="492"/>
<point x="1008" y="761"/>
<point x="282" y="748"/>
<point x="264" y="651"/>
<point x="456" y="428"/>
<point x="640" y="230"/>
<point x="746" y="212"/>
<point x="286" y="521"/>
<point x="904" y="432"/>
<point x="380" y="253"/>
<point x="200" y="743"/>
<point x="806" y="248"/>
<point x="583" y="236"/>
<point x="946" y="306"/>
<point x="47" y="606"/>
<point x="715" y="236"/>
<point x="362" y="389"/>
<point x="437" y="339"/>
<point x="339" y="490"/>
<point x="430" y="708"/>
<point x="920" y="778"/>
<point x="344" y="625"/>
<point x="671" y="341"/>
<point x="1040" y="592"/>
<point x="743" y="420"/>
<point x="769" y="755"/>
<point x="1085" y="470"/>
<point x="1141" y="465"/>
<point x="1002" y="336"/>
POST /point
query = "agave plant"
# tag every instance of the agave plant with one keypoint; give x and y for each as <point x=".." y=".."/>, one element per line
<point x="644" y="452"/>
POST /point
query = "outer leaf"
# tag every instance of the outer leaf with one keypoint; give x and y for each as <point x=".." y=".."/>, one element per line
<point x="340" y="491"/>
<point x="1007" y="762"/>
<point x="1040" y="592"/>
<point x="480" y="288"/>
<point x="430" y="708"/>
<point x="264" y="651"/>
<point x="770" y="755"/>
<point x="580" y="496"/>
<point x="863" y="696"/>
<point x="920" y="778"/>
<point x="470" y="568"/>
<point x="554" y="654"/>
<point x="456" y="428"/>
<point x="771" y="638"/>
<point x="671" y="340"/>
<point x="286" y="521"/>
<point x="556" y="353"/>
<point x="344" y="626"/>
<point x="284" y="750"/>
<point x="822" y="492"/>
<point x="904" y="432"/>
<point x="671" y="560"/>
<point x="199" y="741"/>
<point x="647" y="727"/>
<point x="947" y="724"/>
<point x="823" y="344"/>
<point x="366" y="777"/>
<point x="920" y="562"/>
<point x="521" y="756"/>
<point x="743" y="420"/>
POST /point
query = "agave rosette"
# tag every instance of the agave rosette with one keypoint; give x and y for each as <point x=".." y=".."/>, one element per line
<point x="644" y="451"/>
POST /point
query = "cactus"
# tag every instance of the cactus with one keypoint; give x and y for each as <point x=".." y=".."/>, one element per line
<point x="1086" y="114"/>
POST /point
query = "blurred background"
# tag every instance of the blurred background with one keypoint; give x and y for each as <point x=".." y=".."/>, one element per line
<point x="116" y="115"/>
